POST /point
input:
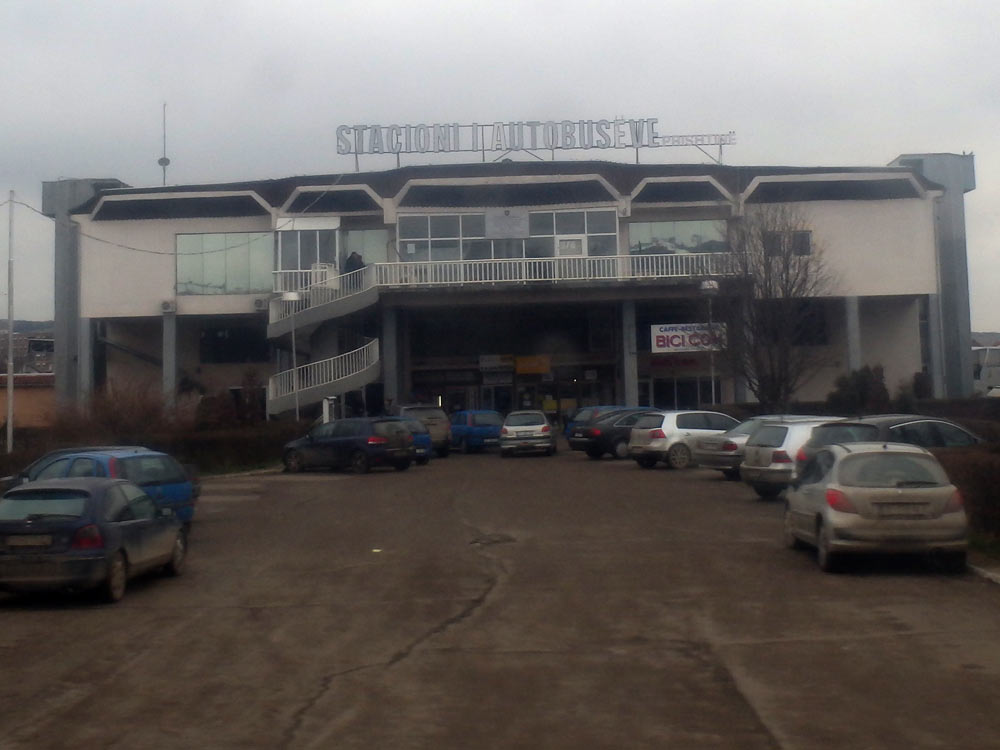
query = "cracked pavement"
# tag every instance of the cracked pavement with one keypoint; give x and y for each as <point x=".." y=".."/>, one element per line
<point x="527" y="603"/>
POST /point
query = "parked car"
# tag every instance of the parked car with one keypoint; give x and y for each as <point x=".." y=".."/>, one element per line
<point x="607" y="433"/>
<point x="28" y="473"/>
<point x="725" y="452"/>
<point x="769" y="457"/>
<point x="423" y="446"/>
<point x="527" y="432"/>
<point x="672" y="435"/>
<point x="160" y="476"/>
<point x="474" y="430"/>
<point x="834" y="432"/>
<point x="875" y="497"/>
<point x="359" y="443"/>
<point x="85" y="533"/>
<point x="916" y="429"/>
<point x="436" y="422"/>
<point x="586" y="414"/>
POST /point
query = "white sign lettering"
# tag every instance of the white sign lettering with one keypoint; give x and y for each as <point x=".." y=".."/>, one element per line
<point x="687" y="337"/>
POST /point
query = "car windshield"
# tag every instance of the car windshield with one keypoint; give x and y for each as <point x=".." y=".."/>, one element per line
<point x="891" y="470"/>
<point x="769" y="436"/>
<point x="488" y="419"/>
<point x="26" y="505"/>
<point x="425" y="412"/>
<point x="521" y="420"/>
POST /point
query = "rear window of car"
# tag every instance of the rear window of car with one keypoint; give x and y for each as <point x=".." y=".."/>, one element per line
<point x="385" y="429"/>
<point x="769" y="436"/>
<point x="486" y="420"/>
<point x="521" y="420"/>
<point x="844" y="433"/>
<point x="746" y="428"/>
<point x="151" y="470"/>
<point x="415" y="426"/>
<point x="583" y="415"/>
<point x="424" y="412"/>
<point x="649" y="421"/>
<point x="891" y="470"/>
<point x="40" y="505"/>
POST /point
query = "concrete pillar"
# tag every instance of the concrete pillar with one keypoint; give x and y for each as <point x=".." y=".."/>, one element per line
<point x="853" y="319"/>
<point x="85" y="349"/>
<point x="170" y="360"/>
<point x="389" y="351"/>
<point x="935" y="343"/>
<point x="630" y="369"/>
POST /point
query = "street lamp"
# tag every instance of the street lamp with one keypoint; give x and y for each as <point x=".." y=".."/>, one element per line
<point x="294" y="297"/>
<point x="709" y="288"/>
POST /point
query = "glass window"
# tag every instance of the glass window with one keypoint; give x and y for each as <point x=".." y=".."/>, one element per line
<point x="143" y="508"/>
<point x="445" y="250"/>
<point x="601" y="222"/>
<point x="540" y="223"/>
<point x="487" y="419"/>
<point x="444" y="226"/>
<point x="539" y="247"/>
<point x="54" y="470"/>
<point x="602" y="244"/>
<point x="477" y="249"/>
<point x="649" y="421"/>
<point x="720" y="421"/>
<point x="473" y="225"/>
<point x="114" y="504"/>
<point x="917" y="433"/>
<point x="508" y="248"/>
<point x="692" y="422"/>
<point x="801" y="243"/>
<point x="41" y="503"/>
<point x="235" y="263"/>
<point x="232" y="344"/>
<point x="570" y="222"/>
<point x="769" y="437"/>
<point x="410" y="250"/>
<point x="772" y="243"/>
<point x="152" y="470"/>
<point x="288" y="242"/>
<point x="84" y="467"/>
<point x="412" y="227"/>
<point x="952" y="436"/>
<point x="371" y="244"/>
<point x="570" y="246"/>
<point x="675" y="237"/>
<point x="525" y="419"/>
<point x="891" y="470"/>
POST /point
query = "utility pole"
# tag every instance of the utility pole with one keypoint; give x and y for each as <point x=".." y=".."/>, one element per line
<point x="10" y="324"/>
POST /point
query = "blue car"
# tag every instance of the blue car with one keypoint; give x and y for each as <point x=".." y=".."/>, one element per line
<point x="423" y="445"/>
<point x="476" y="429"/>
<point x="359" y="444"/>
<point x="85" y="533"/>
<point x="585" y="414"/>
<point x="160" y="476"/>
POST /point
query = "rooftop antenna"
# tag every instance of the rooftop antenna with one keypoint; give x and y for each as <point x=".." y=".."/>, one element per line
<point x="163" y="161"/>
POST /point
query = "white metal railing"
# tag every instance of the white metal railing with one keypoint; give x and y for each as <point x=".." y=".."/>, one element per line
<point x="324" y="372"/>
<point x="318" y="290"/>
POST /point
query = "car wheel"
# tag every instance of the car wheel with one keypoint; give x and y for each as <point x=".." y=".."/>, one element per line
<point x="113" y="588"/>
<point x="463" y="446"/>
<point x="504" y="454"/>
<point x="594" y="453"/>
<point x="401" y="465"/>
<point x="423" y="461"/>
<point x="826" y="558"/>
<point x="444" y="450"/>
<point x="766" y="491"/>
<point x="733" y="475"/>
<point x="555" y="449"/>
<point x="293" y="462"/>
<point x="620" y="450"/>
<point x="646" y="462"/>
<point x="679" y="456"/>
<point x="178" y="556"/>
<point x="791" y="541"/>
<point x="359" y="463"/>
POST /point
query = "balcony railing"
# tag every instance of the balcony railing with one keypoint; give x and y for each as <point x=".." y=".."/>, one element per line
<point x="323" y="373"/>
<point x="316" y="289"/>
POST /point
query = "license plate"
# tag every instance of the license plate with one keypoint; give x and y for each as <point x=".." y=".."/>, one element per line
<point x="30" y="540"/>
<point x="421" y="451"/>
<point x="490" y="441"/>
<point x="577" y="434"/>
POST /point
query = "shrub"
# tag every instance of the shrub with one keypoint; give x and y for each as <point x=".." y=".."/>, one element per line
<point x="976" y="473"/>
<point x="859" y="392"/>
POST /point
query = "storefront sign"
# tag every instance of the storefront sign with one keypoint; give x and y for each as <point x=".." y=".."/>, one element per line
<point x="496" y="362"/>
<point x="516" y="136"/>
<point x="537" y="364"/>
<point x="687" y="337"/>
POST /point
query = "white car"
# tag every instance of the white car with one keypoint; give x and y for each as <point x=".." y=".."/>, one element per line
<point x="527" y="432"/>
<point x="672" y="435"/>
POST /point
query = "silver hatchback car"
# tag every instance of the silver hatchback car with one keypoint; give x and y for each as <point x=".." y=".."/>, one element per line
<point x="527" y="432"/>
<point x="875" y="497"/>
<point x="671" y="436"/>
<point x="725" y="452"/>
<point x="769" y="458"/>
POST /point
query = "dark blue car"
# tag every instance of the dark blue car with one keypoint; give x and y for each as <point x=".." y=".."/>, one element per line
<point x="475" y="429"/>
<point x="159" y="475"/>
<point x="358" y="444"/>
<point x="585" y="414"/>
<point x="423" y="444"/>
<point x="85" y="533"/>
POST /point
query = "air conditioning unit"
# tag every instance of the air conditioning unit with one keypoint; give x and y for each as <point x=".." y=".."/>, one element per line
<point x="260" y="304"/>
<point x="168" y="306"/>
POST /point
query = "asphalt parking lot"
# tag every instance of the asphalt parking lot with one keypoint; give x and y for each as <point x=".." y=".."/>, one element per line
<point x="525" y="603"/>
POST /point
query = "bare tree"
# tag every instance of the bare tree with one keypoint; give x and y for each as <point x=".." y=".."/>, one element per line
<point x="779" y="272"/>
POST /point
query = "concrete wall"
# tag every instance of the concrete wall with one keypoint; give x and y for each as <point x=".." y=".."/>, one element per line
<point x="115" y="282"/>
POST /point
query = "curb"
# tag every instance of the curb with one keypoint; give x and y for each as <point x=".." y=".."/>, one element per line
<point x="989" y="575"/>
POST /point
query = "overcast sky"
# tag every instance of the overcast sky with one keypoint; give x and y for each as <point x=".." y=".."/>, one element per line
<point x="256" y="89"/>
